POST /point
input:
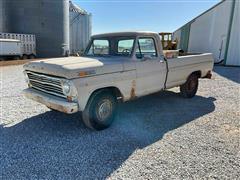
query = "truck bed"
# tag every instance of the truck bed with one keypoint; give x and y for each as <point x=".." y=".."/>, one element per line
<point x="182" y="66"/>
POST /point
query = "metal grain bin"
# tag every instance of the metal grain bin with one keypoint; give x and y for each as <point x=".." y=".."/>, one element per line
<point x="3" y="16"/>
<point x="47" y="19"/>
<point x="80" y="29"/>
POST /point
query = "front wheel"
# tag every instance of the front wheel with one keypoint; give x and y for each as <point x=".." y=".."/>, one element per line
<point x="189" y="89"/>
<point x="100" y="110"/>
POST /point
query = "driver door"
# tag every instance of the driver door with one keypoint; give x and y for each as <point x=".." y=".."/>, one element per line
<point x="151" y="69"/>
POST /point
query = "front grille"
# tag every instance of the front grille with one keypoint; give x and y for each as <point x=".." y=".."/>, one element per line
<point x="46" y="83"/>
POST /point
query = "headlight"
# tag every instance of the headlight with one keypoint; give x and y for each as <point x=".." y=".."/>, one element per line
<point x="26" y="77"/>
<point x="69" y="89"/>
<point x="66" y="88"/>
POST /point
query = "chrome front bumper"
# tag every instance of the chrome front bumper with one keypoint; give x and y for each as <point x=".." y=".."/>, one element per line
<point x="50" y="101"/>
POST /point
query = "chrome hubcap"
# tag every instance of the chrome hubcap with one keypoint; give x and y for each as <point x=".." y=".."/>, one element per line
<point x="105" y="109"/>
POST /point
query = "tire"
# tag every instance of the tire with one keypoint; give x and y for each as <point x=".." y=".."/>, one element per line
<point x="100" y="110"/>
<point x="189" y="89"/>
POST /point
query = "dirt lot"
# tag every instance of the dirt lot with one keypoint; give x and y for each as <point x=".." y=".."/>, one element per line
<point x="15" y="62"/>
<point x="159" y="136"/>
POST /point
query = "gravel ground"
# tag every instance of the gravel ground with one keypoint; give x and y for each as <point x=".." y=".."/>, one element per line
<point x="160" y="136"/>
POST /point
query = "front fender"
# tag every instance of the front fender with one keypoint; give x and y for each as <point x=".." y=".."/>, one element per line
<point x="87" y="86"/>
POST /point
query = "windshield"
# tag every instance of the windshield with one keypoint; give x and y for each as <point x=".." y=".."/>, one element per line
<point x="112" y="46"/>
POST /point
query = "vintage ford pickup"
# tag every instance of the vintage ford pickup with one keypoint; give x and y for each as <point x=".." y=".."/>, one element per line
<point x="116" y="67"/>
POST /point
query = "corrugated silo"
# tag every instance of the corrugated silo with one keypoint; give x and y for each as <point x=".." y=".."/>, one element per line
<point x="3" y="16"/>
<point x="48" y="20"/>
<point x="80" y="28"/>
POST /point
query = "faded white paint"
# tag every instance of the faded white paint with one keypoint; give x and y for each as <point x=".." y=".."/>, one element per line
<point x="133" y="77"/>
<point x="51" y="101"/>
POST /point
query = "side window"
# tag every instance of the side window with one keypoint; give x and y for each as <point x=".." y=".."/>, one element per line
<point x="99" y="47"/>
<point x="146" y="47"/>
<point x="125" y="47"/>
<point x="166" y="37"/>
<point x="170" y="37"/>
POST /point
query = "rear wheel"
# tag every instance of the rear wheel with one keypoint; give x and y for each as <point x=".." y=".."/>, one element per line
<point x="100" y="110"/>
<point x="189" y="89"/>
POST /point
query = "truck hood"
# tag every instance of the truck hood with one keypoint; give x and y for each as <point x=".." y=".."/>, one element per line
<point x="72" y="67"/>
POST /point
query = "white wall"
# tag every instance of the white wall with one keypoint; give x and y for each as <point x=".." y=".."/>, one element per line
<point x="233" y="56"/>
<point x="209" y="32"/>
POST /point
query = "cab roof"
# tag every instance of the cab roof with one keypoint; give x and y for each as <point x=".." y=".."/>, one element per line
<point x="125" y="33"/>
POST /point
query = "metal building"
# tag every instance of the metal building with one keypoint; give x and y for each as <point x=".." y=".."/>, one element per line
<point x="48" y="20"/>
<point x="3" y="16"/>
<point x="215" y="31"/>
<point x="80" y="29"/>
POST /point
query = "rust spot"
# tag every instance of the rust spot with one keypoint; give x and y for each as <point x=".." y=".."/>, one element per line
<point x="57" y="107"/>
<point x="133" y="90"/>
<point x="132" y="93"/>
<point x="82" y="74"/>
<point x="209" y="75"/>
<point x="47" y="101"/>
<point x="69" y="98"/>
<point x="51" y="105"/>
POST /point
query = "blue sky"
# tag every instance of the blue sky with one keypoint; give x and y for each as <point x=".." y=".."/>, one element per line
<point x="152" y="15"/>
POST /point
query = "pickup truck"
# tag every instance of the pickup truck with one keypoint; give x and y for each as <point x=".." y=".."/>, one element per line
<point x="116" y="67"/>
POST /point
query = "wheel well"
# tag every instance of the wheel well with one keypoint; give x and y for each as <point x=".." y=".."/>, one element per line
<point x="114" y="90"/>
<point x="197" y="73"/>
